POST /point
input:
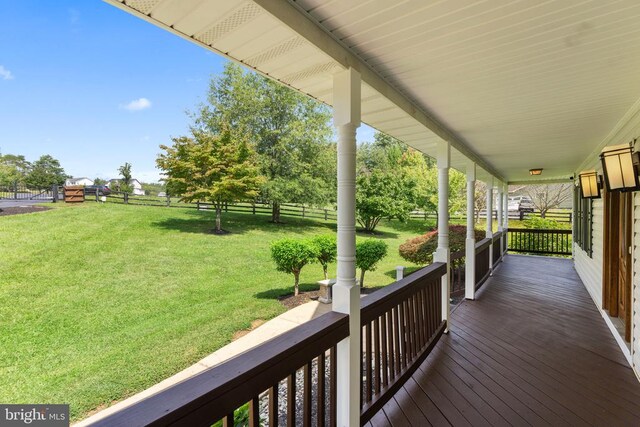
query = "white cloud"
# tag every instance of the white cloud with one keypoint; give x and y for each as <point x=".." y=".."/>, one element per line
<point x="137" y="104"/>
<point x="5" y="74"/>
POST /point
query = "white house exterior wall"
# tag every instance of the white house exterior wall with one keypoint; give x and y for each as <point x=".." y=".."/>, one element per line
<point x="590" y="269"/>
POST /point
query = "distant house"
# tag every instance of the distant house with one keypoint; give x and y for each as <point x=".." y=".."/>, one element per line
<point x="114" y="184"/>
<point x="79" y="181"/>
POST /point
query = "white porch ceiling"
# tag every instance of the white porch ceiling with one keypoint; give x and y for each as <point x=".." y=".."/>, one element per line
<point x="513" y="85"/>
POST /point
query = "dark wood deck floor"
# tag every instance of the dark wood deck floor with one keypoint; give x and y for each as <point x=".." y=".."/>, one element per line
<point x="531" y="350"/>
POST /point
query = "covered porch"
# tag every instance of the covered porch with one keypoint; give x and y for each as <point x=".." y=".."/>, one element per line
<point x="532" y="349"/>
<point x="529" y="346"/>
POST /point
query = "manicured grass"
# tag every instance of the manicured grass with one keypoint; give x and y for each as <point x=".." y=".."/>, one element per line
<point x="98" y="302"/>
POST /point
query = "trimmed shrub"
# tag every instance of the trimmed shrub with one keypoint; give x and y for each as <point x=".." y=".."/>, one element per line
<point x="419" y="250"/>
<point x="290" y="255"/>
<point x="368" y="253"/>
<point x="326" y="251"/>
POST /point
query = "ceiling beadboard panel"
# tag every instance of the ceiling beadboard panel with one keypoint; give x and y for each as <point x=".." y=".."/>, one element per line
<point x="523" y="84"/>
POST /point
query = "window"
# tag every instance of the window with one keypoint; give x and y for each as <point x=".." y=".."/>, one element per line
<point x="583" y="222"/>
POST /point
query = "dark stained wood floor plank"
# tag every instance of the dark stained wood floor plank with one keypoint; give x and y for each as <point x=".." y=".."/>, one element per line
<point x="531" y="350"/>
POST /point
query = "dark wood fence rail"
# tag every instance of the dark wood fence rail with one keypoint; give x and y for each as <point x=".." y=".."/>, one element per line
<point x="245" y="207"/>
<point x="496" y="247"/>
<point x="482" y="261"/>
<point x="307" y="352"/>
<point x="401" y="324"/>
<point x="549" y="242"/>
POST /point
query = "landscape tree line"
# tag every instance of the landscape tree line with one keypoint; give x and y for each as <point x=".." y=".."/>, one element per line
<point x="255" y="139"/>
<point x="39" y="175"/>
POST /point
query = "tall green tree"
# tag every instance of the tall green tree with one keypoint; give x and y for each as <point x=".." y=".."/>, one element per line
<point x="291" y="134"/>
<point x="13" y="169"/>
<point x="125" y="181"/>
<point x="388" y="182"/>
<point x="214" y="168"/>
<point x="45" y="172"/>
<point x="100" y="181"/>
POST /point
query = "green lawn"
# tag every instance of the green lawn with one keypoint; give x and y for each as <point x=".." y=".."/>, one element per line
<point x="98" y="302"/>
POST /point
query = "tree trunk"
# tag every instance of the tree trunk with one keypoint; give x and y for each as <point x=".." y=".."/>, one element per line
<point x="218" y="222"/>
<point x="543" y="213"/>
<point x="275" y="212"/>
<point x="326" y="274"/>
<point x="296" y="276"/>
<point x="362" y="278"/>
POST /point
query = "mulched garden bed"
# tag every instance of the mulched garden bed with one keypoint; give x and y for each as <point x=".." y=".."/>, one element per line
<point x="22" y="210"/>
<point x="291" y="301"/>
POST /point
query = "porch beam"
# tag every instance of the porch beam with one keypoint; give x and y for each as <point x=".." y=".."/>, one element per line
<point x="295" y="17"/>
<point x="443" y="254"/>
<point x="470" y="242"/>
<point x="346" y="291"/>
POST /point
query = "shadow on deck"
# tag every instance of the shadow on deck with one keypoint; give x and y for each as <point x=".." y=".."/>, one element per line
<point x="531" y="350"/>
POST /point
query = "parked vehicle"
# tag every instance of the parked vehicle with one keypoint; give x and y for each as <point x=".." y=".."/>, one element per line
<point x="102" y="190"/>
<point x="520" y="204"/>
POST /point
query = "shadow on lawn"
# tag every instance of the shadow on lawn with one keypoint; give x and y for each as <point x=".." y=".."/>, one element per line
<point x="278" y="293"/>
<point x="202" y="222"/>
<point x="407" y="271"/>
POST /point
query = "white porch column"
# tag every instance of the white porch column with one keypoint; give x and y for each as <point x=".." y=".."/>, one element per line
<point x="470" y="243"/>
<point x="500" y="203"/>
<point x="442" y="253"/>
<point x="505" y="219"/>
<point x="489" y="233"/>
<point x="346" y="292"/>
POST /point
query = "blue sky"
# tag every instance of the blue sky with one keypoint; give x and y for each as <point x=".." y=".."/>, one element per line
<point x="95" y="87"/>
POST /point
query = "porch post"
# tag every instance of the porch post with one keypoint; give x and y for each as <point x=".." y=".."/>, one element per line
<point x="346" y="291"/>
<point x="505" y="226"/>
<point x="442" y="253"/>
<point x="470" y="243"/>
<point x="500" y="203"/>
<point x="489" y="233"/>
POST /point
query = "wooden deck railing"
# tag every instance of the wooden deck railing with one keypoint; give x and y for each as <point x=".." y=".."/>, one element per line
<point x="482" y="261"/>
<point x="401" y="324"/>
<point x="291" y="379"/>
<point x="457" y="273"/>
<point x="543" y="242"/>
<point x="304" y="355"/>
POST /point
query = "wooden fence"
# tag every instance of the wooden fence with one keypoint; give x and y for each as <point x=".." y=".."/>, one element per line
<point x="255" y="208"/>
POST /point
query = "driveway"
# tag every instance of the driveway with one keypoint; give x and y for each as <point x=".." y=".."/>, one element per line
<point x="21" y="202"/>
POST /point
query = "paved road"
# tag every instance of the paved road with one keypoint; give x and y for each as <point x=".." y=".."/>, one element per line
<point x="17" y="203"/>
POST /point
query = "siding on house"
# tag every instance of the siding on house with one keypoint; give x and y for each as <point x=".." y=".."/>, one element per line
<point x="590" y="269"/>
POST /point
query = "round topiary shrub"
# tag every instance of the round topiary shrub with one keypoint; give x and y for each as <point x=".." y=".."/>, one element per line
<point x="419" y="250"/>
<point x="290" y="255"/>
<point x="368" y="253"/>
<point x="326" y="251"/>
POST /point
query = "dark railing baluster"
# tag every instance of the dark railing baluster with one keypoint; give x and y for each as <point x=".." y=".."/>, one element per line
<point x="306" y="397"/>
<point x="291" y="400"/>
<point x="320" y="395"/>
<point x="273" y="405"/>
<point x="550" y="242"/>
<point x="254" y="412"/>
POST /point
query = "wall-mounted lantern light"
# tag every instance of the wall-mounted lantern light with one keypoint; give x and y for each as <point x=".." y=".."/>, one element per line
<point x="619" y="164"/>
<point x="590" y="185"/>
<point x="536" y="172"/>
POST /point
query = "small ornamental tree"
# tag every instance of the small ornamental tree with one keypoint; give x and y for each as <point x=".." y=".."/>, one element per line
<point x="368" y="253"/>
<point x="290" y="255"/>
<point x="326" y="251"/>
<point x="217" y="169"/>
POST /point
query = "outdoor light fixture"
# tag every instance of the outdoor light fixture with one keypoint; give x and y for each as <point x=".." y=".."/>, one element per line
<point x="535" y="171"/>
<point x="590" y="185"/>
<point x="619" y="164"/>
